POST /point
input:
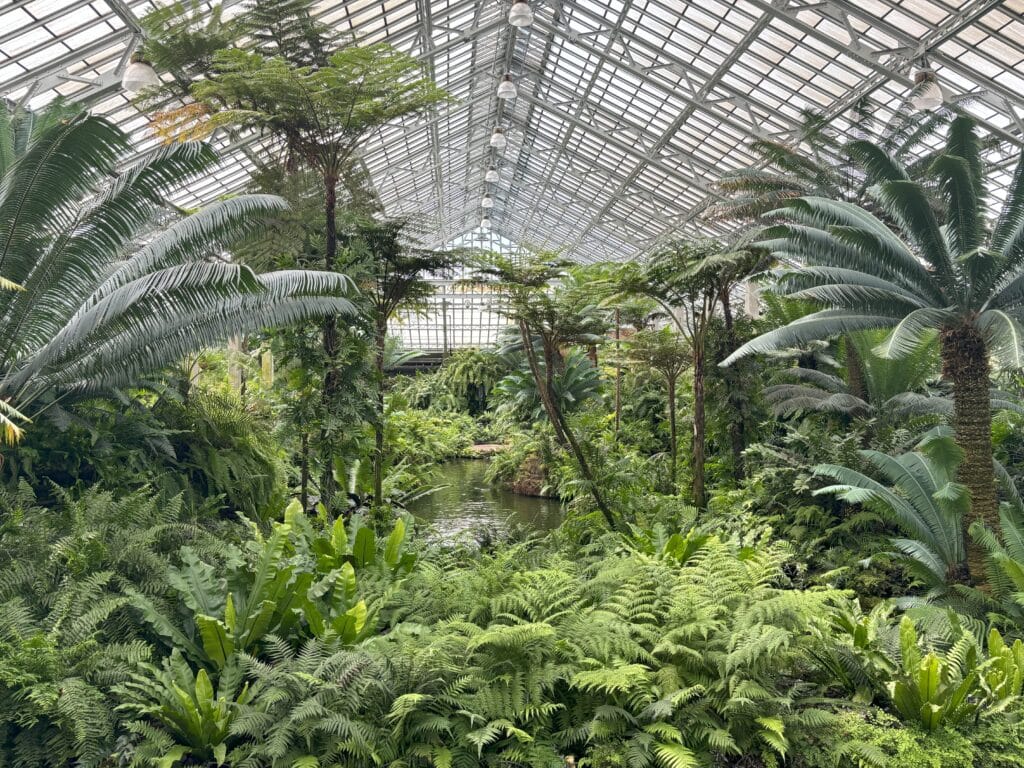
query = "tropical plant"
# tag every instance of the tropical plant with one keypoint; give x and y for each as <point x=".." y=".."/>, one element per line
<point x="547" y="321"/>
<point x="576" y="382"/>
<point x="65" y="629"/>
<point x="921" y="496"/>
<point x="472" y="374"/>
<point x="96" y="311"/>
<point x="691" y="282"/>
<point x="394" y="273"/>
<point x="309" y="707"/>
<point x="819" y="163"/>
<point x="321" y="106"/>
<point x="665" y="353"/>
<point x="964" y="280"/>
<point x="195" y="718"/>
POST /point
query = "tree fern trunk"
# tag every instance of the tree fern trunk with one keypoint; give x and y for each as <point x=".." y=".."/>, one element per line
<point x="380" y="340"/>
<point x="699" y="428"/>
<point x="965" y="364"/>
<point x="332" y="376"/>
<point x="673" y="444"/>
<point x="736" y="394"/>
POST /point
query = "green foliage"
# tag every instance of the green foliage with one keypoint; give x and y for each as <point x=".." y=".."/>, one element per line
<point x="575" y="382"/>
<point x="185" y="704"/>
<point x="98" y="311"/>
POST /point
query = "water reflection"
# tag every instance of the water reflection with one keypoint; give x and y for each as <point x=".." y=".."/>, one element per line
<point x="469" y="505"/>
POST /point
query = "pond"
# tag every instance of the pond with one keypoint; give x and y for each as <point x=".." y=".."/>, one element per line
<point x="468" y="504"/>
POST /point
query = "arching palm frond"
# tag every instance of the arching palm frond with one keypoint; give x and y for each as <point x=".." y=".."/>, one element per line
<point x="903" y="270"/>
<point x="105" y="294"/>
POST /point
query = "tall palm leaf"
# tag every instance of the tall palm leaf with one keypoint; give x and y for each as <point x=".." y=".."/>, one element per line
<point x="964" y="280"/>
<point x="97" y="309"/>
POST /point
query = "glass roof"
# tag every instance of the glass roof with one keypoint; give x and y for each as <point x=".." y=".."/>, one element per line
<point x="627" y="109"/>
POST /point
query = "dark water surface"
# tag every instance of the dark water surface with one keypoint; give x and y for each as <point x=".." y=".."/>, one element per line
<point x="469" y="504"/>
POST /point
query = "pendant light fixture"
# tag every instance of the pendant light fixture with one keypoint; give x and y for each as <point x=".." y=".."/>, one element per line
<point x="927" y="95"/>
<point x="487" y="202"/>
<point x="506" y="88"/>
<point x="139" y="75"/>
<point x="492" y="176"/>
<point x="521" y="15"/>
<point x="485" y="224"/>
<point x="498" y="140"/>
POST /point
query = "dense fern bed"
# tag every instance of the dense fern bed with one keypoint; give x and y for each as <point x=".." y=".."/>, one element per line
<point x="136" y="631"/>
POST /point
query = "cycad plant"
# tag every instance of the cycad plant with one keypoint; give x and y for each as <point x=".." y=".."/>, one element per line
<point x="964" y="280"/>
<point x="98" y="308"/>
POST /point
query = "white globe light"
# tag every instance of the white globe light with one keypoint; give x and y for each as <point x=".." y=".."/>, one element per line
<point x="927" y="92"/>
<point x="492" y="176"/>
<point x="138" y="76"/>
<point x="487" y="202"/>
<point x="521" y="15"/>
<point x="485" y="223"/>
<point x="507" y="89"/>
<point x="498" y="140"/>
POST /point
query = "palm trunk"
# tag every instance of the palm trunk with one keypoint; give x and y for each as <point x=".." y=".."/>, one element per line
<point x="965" y="364"/>
<point x="332" y="377"/>
<point x="699" y="428"/>
<point x="304" y="468"/>
<point x="737" y="427"/>
<point x="380" y="339"/>
<point x="673" y="441"/>
<point x="618" y="375"/>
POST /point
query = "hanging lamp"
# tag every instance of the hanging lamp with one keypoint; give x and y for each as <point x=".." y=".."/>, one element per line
<point x="139" y="75"/>
<point x="507" y="89"/>
<point x="492" y="176"/>
<point x="521" y="15"/>
<point x="485" y="224"/>
<point x="498" y="140"/>
<point x="487" y="202"/>
<point x="927" y="95"/>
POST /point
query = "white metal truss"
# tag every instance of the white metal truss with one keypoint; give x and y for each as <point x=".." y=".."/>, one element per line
<point x="627" y="112"/>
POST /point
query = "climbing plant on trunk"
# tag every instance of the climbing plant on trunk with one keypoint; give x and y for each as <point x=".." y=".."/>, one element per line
<point x="964" y="280"/>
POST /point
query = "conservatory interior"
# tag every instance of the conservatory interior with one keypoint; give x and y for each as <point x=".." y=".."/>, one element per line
<point x="507" y="384"/>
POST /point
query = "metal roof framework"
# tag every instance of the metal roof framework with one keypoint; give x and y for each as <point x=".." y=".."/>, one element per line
<point x="627" y="111"/>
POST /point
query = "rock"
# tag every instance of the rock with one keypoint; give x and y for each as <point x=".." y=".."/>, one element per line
<point x="484" y="450"/>
<point x="531" y="478"/>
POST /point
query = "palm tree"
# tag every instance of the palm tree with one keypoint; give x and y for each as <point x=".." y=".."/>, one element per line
<point x="691" y="281"/>
<point x="964" y="280"/>
<point x="549" y="321"/>
<point x="666" y="353"/>
<point x="96" y="309"/>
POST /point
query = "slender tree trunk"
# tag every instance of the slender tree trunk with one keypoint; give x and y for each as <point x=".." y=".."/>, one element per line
<point x="735" y="396"/>
<point x="304" y="468"/>
<point x="699" y="427"/>
<point x="856" y="381"/>
<point x="563" y="433"/>
<point x="673" y="440"/>
<point x="618" y="374"/>
<point x="332" y="376"/>
<point x="965" y="364"/>
<point x="543" y="388"/>
<point x="380" y="340"/>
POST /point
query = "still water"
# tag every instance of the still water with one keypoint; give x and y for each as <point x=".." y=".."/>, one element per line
<point x="468" y="505"/>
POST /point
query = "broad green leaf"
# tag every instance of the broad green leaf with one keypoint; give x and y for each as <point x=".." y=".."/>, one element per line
<point x="393" y="547"/>
<point x="364" y="551"/>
